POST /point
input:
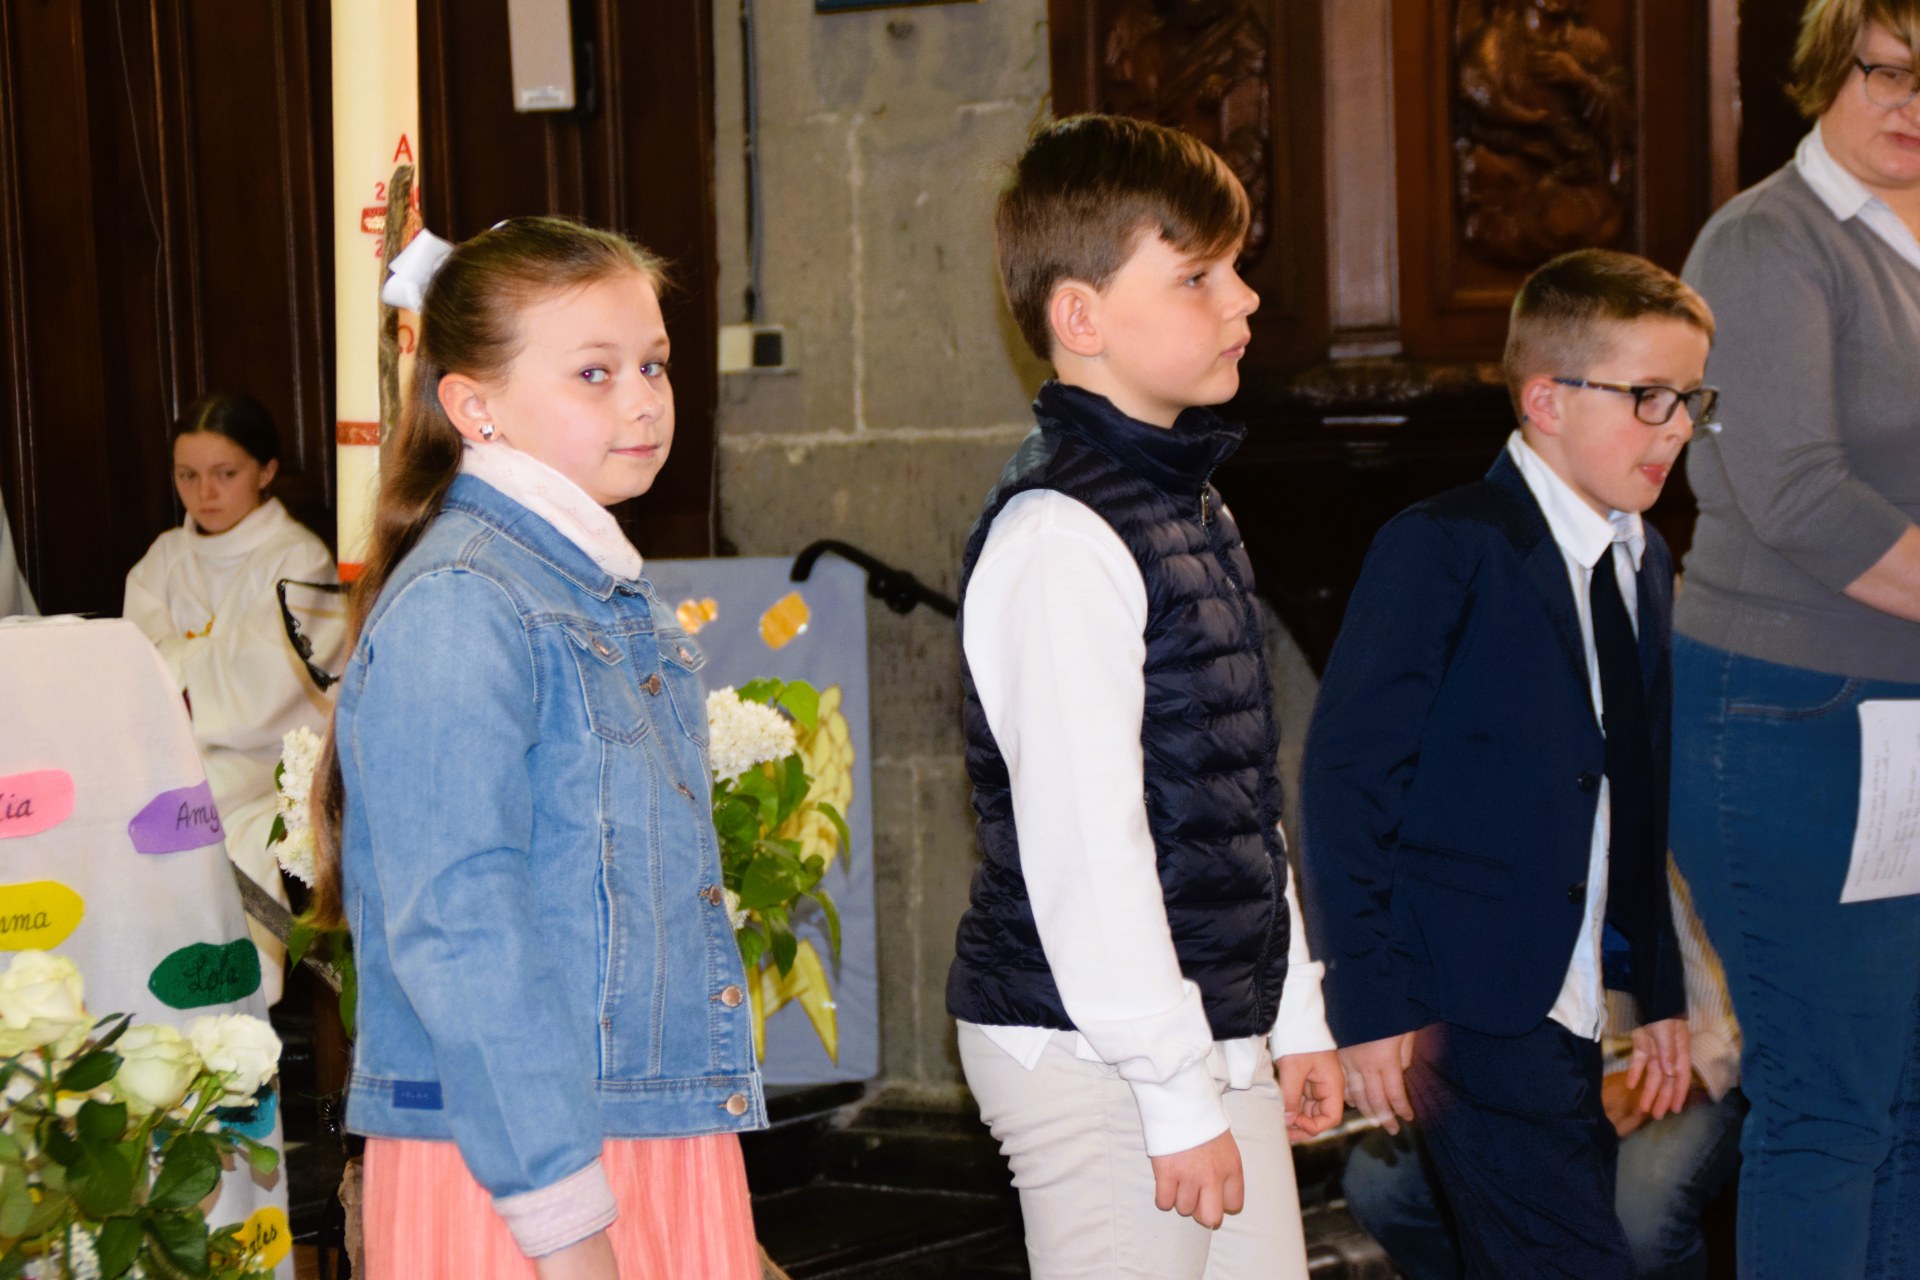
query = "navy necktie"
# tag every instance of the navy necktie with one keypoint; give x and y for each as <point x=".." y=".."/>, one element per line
<point x="1629" y="744"/>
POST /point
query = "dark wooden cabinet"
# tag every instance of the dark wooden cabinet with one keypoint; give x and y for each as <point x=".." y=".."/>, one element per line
<point x="1413" y="160"/>
<point x="163" y="187"/>
<point x="165" y="230"/>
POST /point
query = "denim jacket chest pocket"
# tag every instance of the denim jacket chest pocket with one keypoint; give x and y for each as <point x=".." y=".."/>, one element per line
<point x="610" y="685"/>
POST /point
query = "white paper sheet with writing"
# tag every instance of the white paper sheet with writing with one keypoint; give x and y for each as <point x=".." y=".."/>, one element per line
<point x="1886" y="838"/>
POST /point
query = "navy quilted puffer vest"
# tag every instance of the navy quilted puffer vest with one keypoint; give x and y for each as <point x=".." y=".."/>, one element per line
<point x="1212" y="792"/>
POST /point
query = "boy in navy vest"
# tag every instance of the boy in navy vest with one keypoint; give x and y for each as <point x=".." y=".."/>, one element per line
<point x="1484" y="795"/>
<point x="1122" y="982"/>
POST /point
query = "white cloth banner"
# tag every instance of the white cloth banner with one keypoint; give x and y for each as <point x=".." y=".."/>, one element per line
<point x="111" y="851"/>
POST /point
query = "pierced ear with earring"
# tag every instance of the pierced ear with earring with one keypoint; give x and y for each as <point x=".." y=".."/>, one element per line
<point x="486" y="431"/>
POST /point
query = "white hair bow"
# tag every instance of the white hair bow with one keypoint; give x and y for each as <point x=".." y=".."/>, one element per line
<point x="413" y="269"/>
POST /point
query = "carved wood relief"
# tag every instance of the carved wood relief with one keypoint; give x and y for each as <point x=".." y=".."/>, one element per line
<point x="1202" y="66"/>
<point x="1245" y="77"/>
<point x="1543" y="131"/>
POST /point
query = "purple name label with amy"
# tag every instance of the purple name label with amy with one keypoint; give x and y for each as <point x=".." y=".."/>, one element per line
<point x="174" y="821"/>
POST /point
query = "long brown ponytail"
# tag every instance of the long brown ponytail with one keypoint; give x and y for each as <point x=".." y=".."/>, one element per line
<point x="469" y="324"/>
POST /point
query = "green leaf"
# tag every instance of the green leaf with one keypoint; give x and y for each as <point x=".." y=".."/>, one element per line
<point x="60" y="1144"/>
<point x="753" y="945"/>
<point x="121" y="1021"/>
<point x="117" y="1245"/>
<point x="794" y="784"/>
<point x="832" y="914"/>
<point x="188" y="1172"/>
<point x="11" y="1151"/>
<point x="263" y="1158"/>
<point x="102" y="1182"/>
<point x="278" y="832"/>
<point x="49" y="1213"/>
<point x="13" y="1264"/>
<point x="756" y="787"/>
<point x="299" y="941"/>
<point x="839" y="824"/>
<point x="88" y="1072"/>
<point x="763" y="690"/>
<point x="101" y="1122"/>
<point x="785" y="945"/>
<point x="801" y="701"/>
<point x="16" y="1204"/>
<point x="182" y="1238"/>
<point x="770" y="880"/>
<point x="349" y="970"/>
<point x="737" y="820"/>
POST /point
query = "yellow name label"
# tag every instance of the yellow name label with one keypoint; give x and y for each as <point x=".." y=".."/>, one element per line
<point x="266" y="1237"/>
<point x="38" y="915"/>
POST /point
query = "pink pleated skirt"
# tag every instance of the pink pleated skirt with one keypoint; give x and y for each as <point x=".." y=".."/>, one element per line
<point x="683" y="1203"/>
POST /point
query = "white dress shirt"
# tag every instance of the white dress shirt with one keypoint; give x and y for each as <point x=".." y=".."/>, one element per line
<point x="1054" y="633"/>
<point x="1850" y="198"/>
<point x="1583" y="535"/>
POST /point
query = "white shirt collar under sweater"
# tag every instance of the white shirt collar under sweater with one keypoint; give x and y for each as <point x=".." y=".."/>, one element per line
<point x="1849" y="198"/>
<point x="557" y="500"/>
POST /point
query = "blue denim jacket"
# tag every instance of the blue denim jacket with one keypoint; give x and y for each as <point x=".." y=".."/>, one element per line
<point x="528" y="859"/>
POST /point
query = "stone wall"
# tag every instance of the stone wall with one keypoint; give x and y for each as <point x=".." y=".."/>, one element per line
<point x="882" y="139"/>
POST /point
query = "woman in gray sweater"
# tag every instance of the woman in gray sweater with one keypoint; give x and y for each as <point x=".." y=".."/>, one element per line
<point x="1801" y="603"/>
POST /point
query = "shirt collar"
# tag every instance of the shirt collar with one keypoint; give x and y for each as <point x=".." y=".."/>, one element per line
<point x="1580" y="531"/>
<point x="1839" y="190"/>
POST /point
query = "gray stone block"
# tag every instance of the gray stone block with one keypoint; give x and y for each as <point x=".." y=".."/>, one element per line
<point x="896" y="898"/>
<point x="940" y="348"/>
<point x="947" y="860"/>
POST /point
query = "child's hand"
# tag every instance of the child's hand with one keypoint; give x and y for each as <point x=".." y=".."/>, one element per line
<point x="1310" y="1086"/>
<point x="1661" y="1066"/>
<point x="1376" y="1079"/>
<point x="1203" y="1183"/>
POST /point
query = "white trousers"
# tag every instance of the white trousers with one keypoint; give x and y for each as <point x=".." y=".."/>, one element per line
<point x="1071" y="1132"/>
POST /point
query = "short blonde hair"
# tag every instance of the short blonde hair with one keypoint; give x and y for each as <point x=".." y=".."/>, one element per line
<point x="1564" y="312"/>
<point x="1830" y="34"/>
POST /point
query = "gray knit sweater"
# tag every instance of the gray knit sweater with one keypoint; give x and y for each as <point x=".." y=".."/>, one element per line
<point x="1816" y="472"/>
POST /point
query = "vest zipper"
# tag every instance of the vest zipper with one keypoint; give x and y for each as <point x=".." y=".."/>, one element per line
<point x="1206" y="507"/>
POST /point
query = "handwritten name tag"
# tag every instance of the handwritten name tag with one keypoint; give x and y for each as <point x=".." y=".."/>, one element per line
<point x="267" y="1237"/>
<point x="207" y="973"/>
<point x="37" y="915"/>
<point x="34" y="802"/>
<point x="174" y="821"/>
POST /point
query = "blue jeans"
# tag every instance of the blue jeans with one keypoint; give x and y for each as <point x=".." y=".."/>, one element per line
<point x="1669" y="1170"/>
<point x="1766" y="782"/>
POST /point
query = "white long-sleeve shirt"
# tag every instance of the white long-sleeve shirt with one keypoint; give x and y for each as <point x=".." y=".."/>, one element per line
<point x="1583" y="536"/>
<point x="1055" y="638"/>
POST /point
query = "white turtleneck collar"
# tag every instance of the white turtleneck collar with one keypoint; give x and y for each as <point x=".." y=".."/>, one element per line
<point x="557" y="500"/>
<point x="251" y="532"/>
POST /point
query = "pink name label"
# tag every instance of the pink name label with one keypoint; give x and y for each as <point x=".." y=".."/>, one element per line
<point x="174" y="821"/>
<point x="34" y="802"/>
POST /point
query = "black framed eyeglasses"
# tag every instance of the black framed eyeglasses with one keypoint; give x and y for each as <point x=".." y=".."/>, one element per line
<point x="1655" y="405"/>
<point x="1889" y="85"/>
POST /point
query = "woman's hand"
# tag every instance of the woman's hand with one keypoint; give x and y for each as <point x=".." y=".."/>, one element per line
<point x="591" y="1259"/>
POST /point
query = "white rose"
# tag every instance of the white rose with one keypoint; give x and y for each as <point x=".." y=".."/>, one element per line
<point x="42" y="1002"/>
<point x="242" y="1050"/>
<point x="157" y="1065"/>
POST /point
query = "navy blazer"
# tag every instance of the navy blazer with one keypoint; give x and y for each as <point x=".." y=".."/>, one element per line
<point x="1451" y="775"/>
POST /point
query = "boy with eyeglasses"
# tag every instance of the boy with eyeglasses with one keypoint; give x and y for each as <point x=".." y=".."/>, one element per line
<point x="1484" y="793"/>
